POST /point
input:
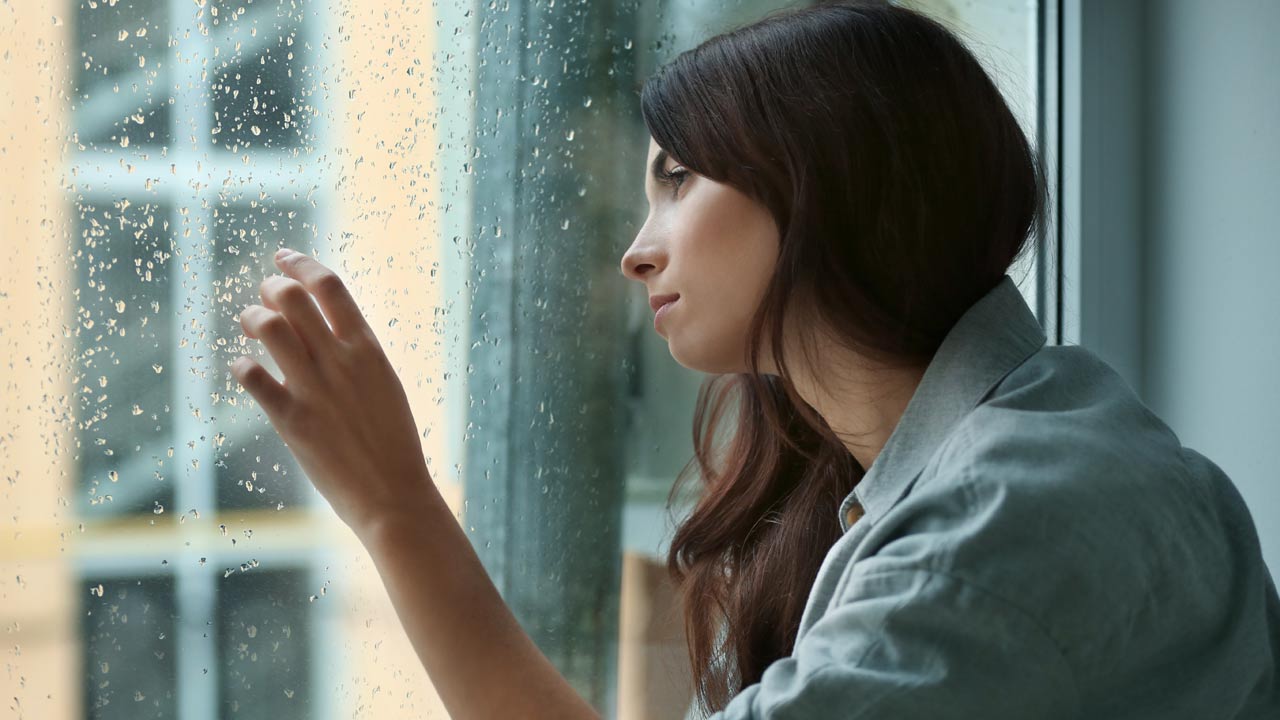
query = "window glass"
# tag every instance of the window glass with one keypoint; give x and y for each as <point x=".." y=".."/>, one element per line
<point x="262" y="76"/>
<point x="474" y="172"/>
<point x="127" y="627"/>
<point x="265" y="646"/>
<point x="124" y="331"/>
<point x="120" y="64"/>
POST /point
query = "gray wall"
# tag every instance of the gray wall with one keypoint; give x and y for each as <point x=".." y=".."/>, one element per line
<point x="1211" y="238"/>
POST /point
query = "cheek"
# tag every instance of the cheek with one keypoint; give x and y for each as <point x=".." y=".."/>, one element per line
<point x="735" y="247"/>
<point x="730" y="257"/>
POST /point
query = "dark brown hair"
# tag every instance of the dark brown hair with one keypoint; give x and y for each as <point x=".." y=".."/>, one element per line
<point x="903" y="189"/>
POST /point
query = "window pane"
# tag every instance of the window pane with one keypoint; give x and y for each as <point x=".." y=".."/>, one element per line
<point x="121" y="66"/>
<point x="124" y="334"/>
<point x="128" y="630"/>
<point x="265" y="645"/>
<point x="261" y="91"/>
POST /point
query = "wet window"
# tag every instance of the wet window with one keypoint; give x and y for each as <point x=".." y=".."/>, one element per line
<point x="264" y="626"/>
<point x="473" y="171"/>
<point x="124" y="343"/>
<point x="127" y="627"/>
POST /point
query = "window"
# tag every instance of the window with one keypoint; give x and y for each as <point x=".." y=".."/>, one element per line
<point x="194" y="156"/>
<point x="163" y="554"/>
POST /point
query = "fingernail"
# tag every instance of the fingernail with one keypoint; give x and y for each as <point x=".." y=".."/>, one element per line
<point x="283" y="252"/>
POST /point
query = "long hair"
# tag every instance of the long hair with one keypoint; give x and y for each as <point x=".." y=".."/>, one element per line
<point x="903" y="189"/>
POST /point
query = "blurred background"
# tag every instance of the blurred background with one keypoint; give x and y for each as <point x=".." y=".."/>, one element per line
<point x="474" y="171"/>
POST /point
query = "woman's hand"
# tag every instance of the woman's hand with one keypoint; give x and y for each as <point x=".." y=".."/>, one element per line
<point x="341" y="409"/>
<point x="344" y="414"/>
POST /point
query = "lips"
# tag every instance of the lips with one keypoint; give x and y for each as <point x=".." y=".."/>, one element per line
<point x="657" y="301"/>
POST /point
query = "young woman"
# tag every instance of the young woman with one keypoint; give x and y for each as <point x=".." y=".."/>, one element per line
<point x="924" y="510"/>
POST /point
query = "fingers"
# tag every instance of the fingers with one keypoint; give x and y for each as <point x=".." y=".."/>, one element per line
<point x="289" y="298"/>
<point x="282" y="341"/>
<point x="271" y="395"/>
<point x="335" y="300"/>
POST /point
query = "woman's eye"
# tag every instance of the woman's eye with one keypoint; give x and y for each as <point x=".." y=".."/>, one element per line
<point x="675" y="178"/>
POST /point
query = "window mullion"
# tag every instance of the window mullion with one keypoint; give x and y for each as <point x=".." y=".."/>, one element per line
<point x="196" y="374"/>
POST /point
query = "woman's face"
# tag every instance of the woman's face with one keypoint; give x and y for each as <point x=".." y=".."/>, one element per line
<point x="714" y="247"/>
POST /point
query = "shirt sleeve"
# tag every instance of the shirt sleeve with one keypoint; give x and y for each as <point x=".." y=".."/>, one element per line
<point x="915" y="644"/>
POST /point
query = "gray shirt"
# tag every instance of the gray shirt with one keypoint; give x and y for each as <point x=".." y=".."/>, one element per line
<point x="1034" y="544"/>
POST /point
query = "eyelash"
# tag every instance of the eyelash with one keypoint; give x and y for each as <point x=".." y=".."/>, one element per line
<point x="674" y="178"/>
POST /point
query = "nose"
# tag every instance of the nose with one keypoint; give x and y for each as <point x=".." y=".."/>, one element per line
<point x="640" y="261"/>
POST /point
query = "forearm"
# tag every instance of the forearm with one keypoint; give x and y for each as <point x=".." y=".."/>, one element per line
<point x="480" y="660"/>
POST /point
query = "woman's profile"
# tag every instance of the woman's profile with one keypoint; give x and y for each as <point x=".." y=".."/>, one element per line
<point x="923" y="509"/>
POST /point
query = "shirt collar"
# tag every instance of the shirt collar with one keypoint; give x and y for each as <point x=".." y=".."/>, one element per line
<point x="989" y="340"/>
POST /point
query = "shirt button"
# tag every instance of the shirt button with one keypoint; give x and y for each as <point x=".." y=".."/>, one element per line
<point x="854" y="512"/>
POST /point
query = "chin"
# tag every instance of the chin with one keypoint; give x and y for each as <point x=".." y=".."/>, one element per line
<point x="711" y="363"/>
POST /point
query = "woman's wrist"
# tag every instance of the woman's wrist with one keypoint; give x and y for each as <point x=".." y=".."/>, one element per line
<point x="387" y="526"/>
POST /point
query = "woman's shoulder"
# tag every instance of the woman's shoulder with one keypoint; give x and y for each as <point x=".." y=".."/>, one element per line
<point x="1063" y="436"/>
<point x="1067" y="414"/>
<point x="1064" y="493"/>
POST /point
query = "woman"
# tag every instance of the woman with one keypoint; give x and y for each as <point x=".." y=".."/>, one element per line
<point x="924" y="512"/>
